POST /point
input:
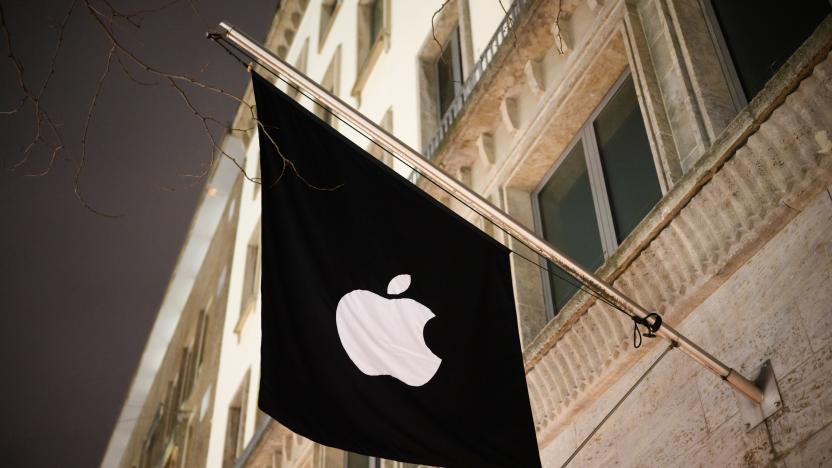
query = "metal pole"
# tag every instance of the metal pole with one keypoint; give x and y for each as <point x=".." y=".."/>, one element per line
<point x="479" y="204"/>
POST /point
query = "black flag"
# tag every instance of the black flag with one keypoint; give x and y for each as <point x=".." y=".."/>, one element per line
<point x="389" y="326"/>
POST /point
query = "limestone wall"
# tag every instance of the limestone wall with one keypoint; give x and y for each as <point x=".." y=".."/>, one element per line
<point x="778" y="305"/>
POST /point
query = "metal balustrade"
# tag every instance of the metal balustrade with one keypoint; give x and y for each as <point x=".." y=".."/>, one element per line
<point x="454" y="110"/>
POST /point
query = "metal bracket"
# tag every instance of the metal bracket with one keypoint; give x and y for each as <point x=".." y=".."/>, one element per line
<point x="752" y="413"/>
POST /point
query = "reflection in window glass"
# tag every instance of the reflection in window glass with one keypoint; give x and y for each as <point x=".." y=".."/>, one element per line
<point x="629" y="172"/>
<point x="567" y="215"/>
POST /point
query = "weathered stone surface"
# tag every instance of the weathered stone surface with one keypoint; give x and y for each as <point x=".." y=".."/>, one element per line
<point x="722" y="234"/>
<point x="594" y="4"/>
<point x="807" y="401"/>
<point x="534" y="76"/>
<point x="508" y="114"/>
<point x="729" y="445"/>
<point x="702" y="62"/>
<point x="718" y="400"/>
<point x="647" y="82"/>
<point x="814" y="298"/>
<point x="816" y="451"/>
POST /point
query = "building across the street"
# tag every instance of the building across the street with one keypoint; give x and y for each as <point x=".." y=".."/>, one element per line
<point x="682" y="149"/>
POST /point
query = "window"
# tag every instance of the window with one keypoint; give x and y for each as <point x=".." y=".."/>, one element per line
<point x="601" y="188"/>
<point x="449" y="73"/>
<point x="756" y="37"/>
<point x="330" y="82"/>
<point x="568" y="219"/>
<point x="300" y="65"/>
<point x="444" y="59"/>
<point x="186" y="376"/>
<point x="372" y="22"/>
<point x="152" y="449"/>
<point x="376" y="20"/>
<point x="377" y="150"/>
<point x="250" y="281"/>
<point x="221" y="282"/>
<point x="192" y="357"/>
<point x="372" y="37"/>
<point x="356" y="460"/>
<point x="167" y="436"/>
<point x="199" y="340"/>
<point x="235" y="425"/>
<point x="329" y="8"/>
<point x="258" y="176"/>
<point x="251" y="278"/>
<point x="187" y="443"/>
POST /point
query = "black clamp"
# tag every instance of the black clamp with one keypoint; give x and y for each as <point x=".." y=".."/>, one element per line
<point x="652" y="322"/>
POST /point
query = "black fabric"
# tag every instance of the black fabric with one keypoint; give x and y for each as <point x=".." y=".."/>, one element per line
<point x="348" y="222"/>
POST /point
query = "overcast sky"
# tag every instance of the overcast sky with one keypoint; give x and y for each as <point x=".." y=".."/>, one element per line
<point x="80" y="292"/>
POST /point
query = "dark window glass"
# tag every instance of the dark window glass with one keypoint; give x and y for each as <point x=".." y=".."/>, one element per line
<point x="449" y="73"/>
<point x="377" y="20"/>
<point x="629" y="172"/>
<point x="567" y="216"/>
<point x="762" y="34"/>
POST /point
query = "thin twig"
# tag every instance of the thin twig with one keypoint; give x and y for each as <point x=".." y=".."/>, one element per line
<point x="433" y="26"/>
<point x="83" y="161"/>
<point x="47" y="132"/>
<point x="559" y="37"/>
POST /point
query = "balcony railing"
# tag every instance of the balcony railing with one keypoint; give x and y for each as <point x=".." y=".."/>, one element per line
<point x="497" y="39"/>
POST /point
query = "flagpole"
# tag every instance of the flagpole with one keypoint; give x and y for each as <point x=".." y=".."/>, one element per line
<point x="480" y="205"/>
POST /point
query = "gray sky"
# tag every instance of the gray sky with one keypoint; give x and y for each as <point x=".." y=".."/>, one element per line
<point x="79" y="292"/>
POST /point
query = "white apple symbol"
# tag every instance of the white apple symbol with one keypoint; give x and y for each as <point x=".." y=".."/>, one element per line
<point x="385" y="336"/>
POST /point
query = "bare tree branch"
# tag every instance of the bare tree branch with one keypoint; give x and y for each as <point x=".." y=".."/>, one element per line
<point x="47" y="132"/>
<point x="559" y="38"/>
<point x="41" y="117"/>
<point x="83" y="161"/>
<point x="433" y="25"/>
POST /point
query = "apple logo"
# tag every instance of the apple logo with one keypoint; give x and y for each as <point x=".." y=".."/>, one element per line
<point x="385" y="336"/>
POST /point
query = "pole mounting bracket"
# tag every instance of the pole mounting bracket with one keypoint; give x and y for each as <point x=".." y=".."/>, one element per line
<point x="753" y="413"/>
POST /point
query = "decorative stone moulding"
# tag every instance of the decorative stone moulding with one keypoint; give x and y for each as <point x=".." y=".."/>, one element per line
<point x="485" y="148"/>
<point x="767" y="166"/>
<point x="594" y="4"/>
<point x="508" y="112"/>
<point x="534" y="76"/>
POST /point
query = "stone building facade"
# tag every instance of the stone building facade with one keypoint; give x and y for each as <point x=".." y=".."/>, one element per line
<point x="680" y="148"/>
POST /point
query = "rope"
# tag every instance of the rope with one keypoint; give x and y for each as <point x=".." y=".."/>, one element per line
<point x="617" y="405"/>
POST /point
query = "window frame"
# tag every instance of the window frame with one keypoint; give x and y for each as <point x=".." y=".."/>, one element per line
<point x="252" y="276"/>
<point x="200" y="337"/>
<point x="729" y="70"/>
<point x="456" y="68"/>
<point x="325" y="26"/>
<point x="376" y="26"/>
<point x="239" y="400"/>
<point x="586" y="137"/>
<point x="368" y="48"/>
